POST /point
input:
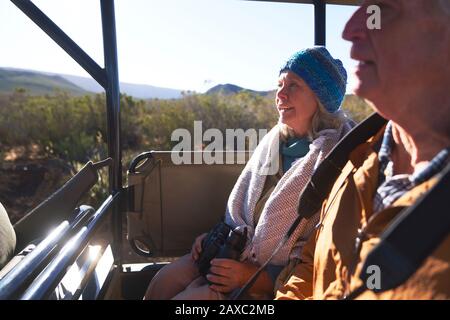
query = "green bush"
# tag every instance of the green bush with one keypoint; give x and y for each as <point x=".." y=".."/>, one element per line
<point x="73" y="128"/>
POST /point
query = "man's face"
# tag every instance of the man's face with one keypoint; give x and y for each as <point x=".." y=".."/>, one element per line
<point x="408" y="57"/>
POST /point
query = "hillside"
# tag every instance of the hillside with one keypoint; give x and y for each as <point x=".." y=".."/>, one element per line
<point x="140" y="91"/>
<point x="36" y="83"/>
<point x="229" y="89"/>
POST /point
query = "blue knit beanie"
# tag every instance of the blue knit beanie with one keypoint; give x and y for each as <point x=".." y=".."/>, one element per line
<point x="325" y="75"/>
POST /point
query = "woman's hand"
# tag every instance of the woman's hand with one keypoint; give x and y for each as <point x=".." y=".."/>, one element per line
<point x="197" y="246"/>
<point x="227" y="275"/>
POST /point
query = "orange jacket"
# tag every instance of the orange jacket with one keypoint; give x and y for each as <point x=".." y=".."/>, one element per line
<point x="331" y="266"/>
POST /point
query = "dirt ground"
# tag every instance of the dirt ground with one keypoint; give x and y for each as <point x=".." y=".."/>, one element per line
<point x="26" y="183"/>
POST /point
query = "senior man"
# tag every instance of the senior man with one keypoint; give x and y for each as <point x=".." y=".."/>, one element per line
<point x="404" y="72"/>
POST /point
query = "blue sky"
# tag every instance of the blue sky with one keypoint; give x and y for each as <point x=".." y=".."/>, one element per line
<point x="182" y="44"/>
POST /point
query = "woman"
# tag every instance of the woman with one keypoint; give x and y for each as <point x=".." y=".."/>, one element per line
<point x="311" y="87"/>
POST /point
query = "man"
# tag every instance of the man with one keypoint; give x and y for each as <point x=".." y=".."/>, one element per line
<point x="404" y="71"/>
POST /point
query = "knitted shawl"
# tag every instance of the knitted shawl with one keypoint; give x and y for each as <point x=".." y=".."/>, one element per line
<point x="280" y="210"/>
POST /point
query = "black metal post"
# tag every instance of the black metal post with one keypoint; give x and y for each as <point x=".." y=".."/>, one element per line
<point x="113" y="115"/>
<point x="319" y="22"/>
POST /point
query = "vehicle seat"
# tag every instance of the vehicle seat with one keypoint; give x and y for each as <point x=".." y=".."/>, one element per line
<point x="7" y="238"/>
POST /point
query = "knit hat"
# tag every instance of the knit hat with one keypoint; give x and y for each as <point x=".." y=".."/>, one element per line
<point x="325" y="75"/>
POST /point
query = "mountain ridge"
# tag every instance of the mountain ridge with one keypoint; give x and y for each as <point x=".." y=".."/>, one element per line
<point x="41" y="82"/>
<point x="228" y="88"/>
<point x="38" y="83"/>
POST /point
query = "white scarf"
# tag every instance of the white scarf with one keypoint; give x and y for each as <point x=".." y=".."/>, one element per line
<point x="280" y="210"/>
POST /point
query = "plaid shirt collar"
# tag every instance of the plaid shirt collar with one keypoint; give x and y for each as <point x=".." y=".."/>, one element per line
<point x="392" y="187"/>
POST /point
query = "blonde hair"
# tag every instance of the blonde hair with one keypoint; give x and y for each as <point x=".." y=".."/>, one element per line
<point x="321" y="120"/>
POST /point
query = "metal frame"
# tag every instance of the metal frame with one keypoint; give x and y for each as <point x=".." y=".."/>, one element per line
<point x="107" y="77"/>
<point x="319" y="14"/>
<point x="64" y="41"/>
<point x="113" y="122"/>
<point x="44" y="283"/>
<point x="21" y="275"/>
<point x="319" y="22"/>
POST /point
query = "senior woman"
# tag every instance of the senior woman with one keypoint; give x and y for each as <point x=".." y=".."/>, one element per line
<point x="311" y="86"/>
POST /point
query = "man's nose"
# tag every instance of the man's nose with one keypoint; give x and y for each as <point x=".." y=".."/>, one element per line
<point x="356" y="27"/>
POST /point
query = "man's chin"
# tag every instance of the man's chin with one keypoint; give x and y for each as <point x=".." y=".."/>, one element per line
<point x="365" y="90"/>
<point x="375" y="99"/>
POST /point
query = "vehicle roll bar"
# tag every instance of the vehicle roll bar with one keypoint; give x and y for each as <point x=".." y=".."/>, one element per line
<point x="46" y="282"/>
<point x="319" y="22"/>
<point x="62" y="39"/>
<point x="108" y="78"/>
<point x="22" y="273"/>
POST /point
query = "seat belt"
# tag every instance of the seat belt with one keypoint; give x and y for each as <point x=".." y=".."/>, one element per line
<point x="321" y="182"/>
<point x="396" y="258"/>
<point x="323" y="179"/>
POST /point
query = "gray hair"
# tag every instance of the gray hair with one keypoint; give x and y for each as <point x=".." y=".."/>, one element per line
<point x="321" y="120"/>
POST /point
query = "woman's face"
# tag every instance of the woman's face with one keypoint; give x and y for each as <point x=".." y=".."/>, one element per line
<point x="296" y="102"/>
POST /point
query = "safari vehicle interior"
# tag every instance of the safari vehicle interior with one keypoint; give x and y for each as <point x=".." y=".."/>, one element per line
<point x="113" y="251"/>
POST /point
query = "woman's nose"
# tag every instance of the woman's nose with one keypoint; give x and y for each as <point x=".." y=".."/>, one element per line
<point x="355" y="29"/>
<point x="281" y="93"/>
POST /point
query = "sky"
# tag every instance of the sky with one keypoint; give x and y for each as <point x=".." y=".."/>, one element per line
<point x="181" y="44"/>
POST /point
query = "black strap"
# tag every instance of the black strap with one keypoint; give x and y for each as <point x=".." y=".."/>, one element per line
<point x="322" y="181"/>
<point x="410" y="238"/>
